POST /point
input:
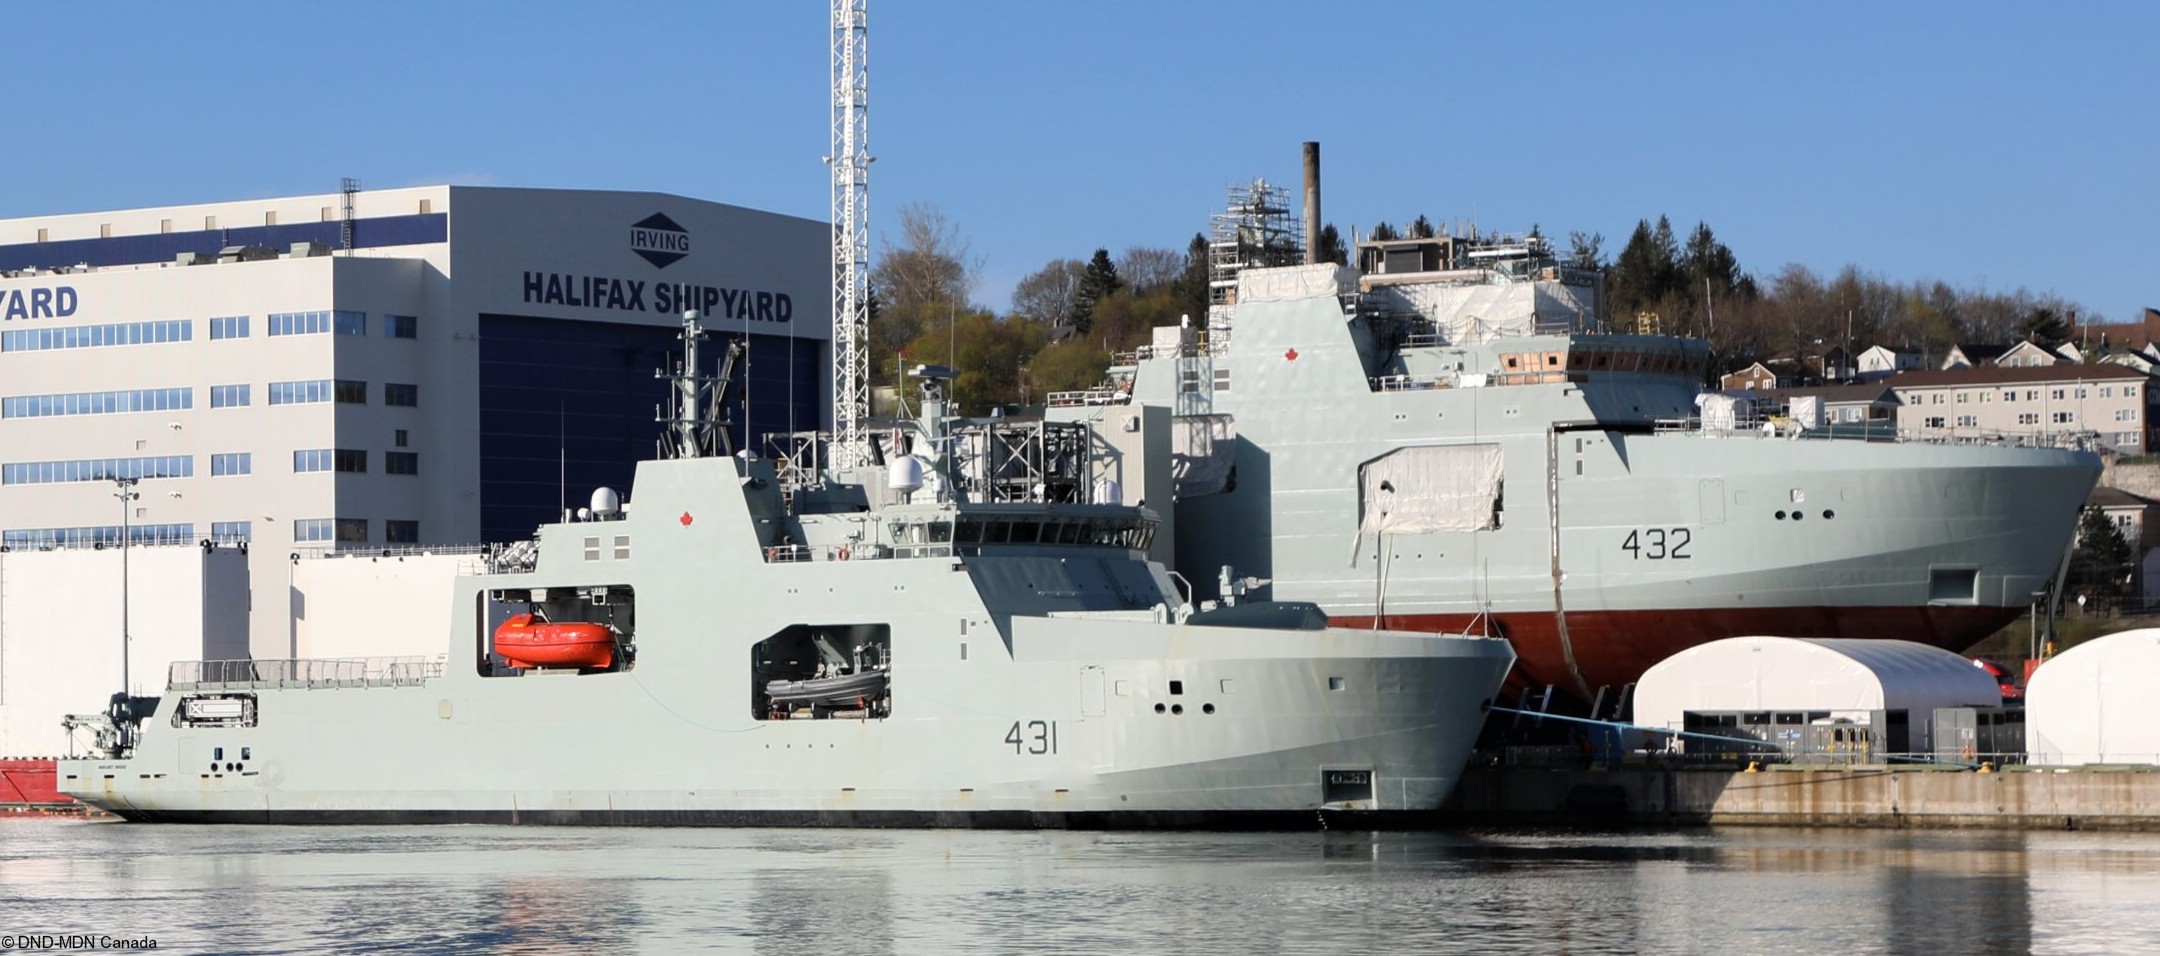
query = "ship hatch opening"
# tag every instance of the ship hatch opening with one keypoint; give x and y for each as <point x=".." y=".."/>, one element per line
<point x="822" y="671"/>
<point x="585" y="629"/>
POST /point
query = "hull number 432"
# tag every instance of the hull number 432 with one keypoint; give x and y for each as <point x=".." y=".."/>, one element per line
<point x="1658" y="544"/>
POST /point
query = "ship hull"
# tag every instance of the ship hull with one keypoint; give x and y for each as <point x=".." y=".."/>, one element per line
<point x="1612" y="648"/>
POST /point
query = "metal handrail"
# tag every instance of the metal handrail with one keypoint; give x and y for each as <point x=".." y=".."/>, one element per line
<point x="302" y="673"/>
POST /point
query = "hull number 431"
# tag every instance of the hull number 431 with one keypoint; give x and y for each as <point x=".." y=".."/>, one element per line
<point x="1658" y="544"/>
<point x="1036" y="737"/>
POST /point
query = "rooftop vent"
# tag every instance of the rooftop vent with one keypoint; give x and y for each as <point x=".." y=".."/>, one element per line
<point x="191" y="259"/>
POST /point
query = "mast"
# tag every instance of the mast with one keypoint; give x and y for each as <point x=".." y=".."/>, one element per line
<point x="850" y="161"/>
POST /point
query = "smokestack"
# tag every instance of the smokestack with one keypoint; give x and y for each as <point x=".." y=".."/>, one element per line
<point x="1312" y="203"/>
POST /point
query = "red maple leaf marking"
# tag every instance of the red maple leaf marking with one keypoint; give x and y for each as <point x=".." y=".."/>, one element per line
<point x="685" y="519"/>
<point x="1291" y="355"/>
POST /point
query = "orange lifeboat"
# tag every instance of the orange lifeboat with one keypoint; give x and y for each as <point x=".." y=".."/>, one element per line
<point x="525" y="641"/>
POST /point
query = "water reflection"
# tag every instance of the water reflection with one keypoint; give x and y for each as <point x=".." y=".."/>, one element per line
<point x="475" y="889"/>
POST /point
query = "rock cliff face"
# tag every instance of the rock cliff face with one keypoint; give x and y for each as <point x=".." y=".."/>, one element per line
<point x="2141" y="479"/>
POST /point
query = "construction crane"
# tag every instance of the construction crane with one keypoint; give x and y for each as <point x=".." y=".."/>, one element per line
<point x="850" y="161"/>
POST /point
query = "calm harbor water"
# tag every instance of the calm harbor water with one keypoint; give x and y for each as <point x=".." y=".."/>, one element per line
<point x="536" y="890"/>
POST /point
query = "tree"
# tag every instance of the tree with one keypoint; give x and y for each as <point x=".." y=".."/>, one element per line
<point x="1190" y="291"/>
<point x="1421" y="228"/>
<point x="1147" y="268"/>
<point x="1585" y="252"/>
<point x="1097" y="282"/>
<point x="922" y="280"/>
<point x="1382" y="232"/>
<point x="2044" y="327"/>
<point x="1067" y="366"/>
<point x="2100" y="566"/>
<point x="1047" y="295"/>
<point x="1330" y="248"/>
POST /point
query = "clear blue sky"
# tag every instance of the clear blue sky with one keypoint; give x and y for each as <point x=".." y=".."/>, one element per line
<point x="2005" y="144"/>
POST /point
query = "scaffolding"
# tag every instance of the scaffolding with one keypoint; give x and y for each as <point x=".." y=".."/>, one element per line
<point x="1255" y="230"/>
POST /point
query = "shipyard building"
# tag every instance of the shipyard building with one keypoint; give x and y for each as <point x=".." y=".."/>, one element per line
<point x="371" y="369"/>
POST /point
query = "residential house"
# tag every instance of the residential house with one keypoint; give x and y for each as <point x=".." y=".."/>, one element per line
<point x="1834" y="364"/>
<point x="1756" y="377"/>
<point x="2132" y="516"/>
<point x="2107" y="400"/>
<point x="1881" y="362"/>
<point x="2027" y="354"/>
<point x="1972" y="355"/>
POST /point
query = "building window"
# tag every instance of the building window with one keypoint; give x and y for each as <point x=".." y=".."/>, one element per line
<point x="97" y="469"/>
<point x="22" y="539"/>
<point x="350" y="392"/>
<point x="1968" y="421"/>
<point x="401" y="437"/>
<point x="300" y="393"/>
<point x="401" y="395"/>
<point x="228" y="396"/>
<point x="2129" y="391"/>
<point x="2028" y="418"/>
<point x="2081" y="391"/>
<point x="312" y="529"/>
<point x="2010" y="396"/>
<point x="401" y="326"/>
<point x="352" y="530"/>
<point x="401" y="463"/>
<point x="350" y="460"/>
<point x="1961" y="398"/>
<point x="97" y="403"/>
<point x="343" y="322"/>
<point x="235" y="463"/>
<point x="1937" y="398"/>
<point x="98" y="336"/>
<point x="231" y="532"/>
<point x="2062" y="418"/>
<point x="1935" y="421"/>
<point x="2058" y="393"/>
<point x="622" y="547"/>
<point x="2107" y="391"/>
<point x="311" y="459"/>
<point x="401" y="532"/>
<point x="2125" y="414"/>
<point x="2126" y="439"/>
<point x="229" y="327"/>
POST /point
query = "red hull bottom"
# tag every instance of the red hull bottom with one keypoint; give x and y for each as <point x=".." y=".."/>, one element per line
<point x="32" y="786"/>
<point x="1613" y="648"/>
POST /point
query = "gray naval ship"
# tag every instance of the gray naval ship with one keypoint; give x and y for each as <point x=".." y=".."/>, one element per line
<point x="1434" y="439"/>
<point x="965" y="631"/>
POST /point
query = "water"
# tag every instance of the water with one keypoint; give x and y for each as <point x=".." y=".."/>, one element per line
<point x="538" y="890"/>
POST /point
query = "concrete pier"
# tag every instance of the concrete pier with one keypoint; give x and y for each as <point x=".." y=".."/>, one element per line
<point x="2056" y="798"/>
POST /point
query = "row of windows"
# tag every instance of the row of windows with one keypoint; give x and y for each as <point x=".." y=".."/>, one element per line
<point x="231" y="532"/>
<point x="236" y="463"/>
<point x="23" y="539"/>
<point x="2011" y="395"/>
<point x="319" y="390"/>
<point x="221" y="327"/>
<point x="341" y="321"/>
<point x="97" y="403"/>
<point x="96" y="469"/>
<point x="95" y="336"/>
<point x="353" y="531"/>
<point x="228" y="396"/>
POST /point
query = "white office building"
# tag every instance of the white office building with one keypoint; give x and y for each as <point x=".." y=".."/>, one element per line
<point x="373" y="369"/>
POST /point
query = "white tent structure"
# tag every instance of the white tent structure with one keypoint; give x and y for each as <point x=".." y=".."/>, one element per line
<point x="2098" y="702"/>
<point x="1843" y="676"/>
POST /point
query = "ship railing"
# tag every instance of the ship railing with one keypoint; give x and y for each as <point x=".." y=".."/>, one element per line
<point x="1407" y="383"/>
<point x="327" y="672"/>
<point x="1090" y="396"/>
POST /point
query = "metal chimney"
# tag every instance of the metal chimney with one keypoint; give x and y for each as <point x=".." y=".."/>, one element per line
<point x="1312" y="203"/>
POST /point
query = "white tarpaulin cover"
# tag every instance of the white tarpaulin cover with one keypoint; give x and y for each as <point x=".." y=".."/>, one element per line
<point x="1720" y="412"/>
<point x="1808" y="673"/>
<point x="1472" y="312"/>
<point x="1430" y="488"/>
<point x="1202" y="450"/>
<point x="1293" y="283"/>
<point x="2098" y="702"/>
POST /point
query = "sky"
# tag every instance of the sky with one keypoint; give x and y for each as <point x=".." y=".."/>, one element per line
<point x="1989" y="145"/>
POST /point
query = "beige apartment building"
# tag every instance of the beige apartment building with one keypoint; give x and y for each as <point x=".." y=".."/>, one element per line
<point x="2107" y="400"/>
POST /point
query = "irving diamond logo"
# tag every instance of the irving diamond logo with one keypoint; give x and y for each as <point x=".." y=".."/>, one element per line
<point x="659" y="240"/>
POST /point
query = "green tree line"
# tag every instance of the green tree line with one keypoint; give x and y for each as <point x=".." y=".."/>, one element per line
<point x="1067" y="319"/>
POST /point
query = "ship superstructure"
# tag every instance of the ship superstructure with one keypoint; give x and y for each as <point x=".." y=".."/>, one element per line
<point x="1436" y="439"/>
<point x="964" y="630"/>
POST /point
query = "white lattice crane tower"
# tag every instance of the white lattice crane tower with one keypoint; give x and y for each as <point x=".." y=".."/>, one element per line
<point x="850" y="160"/>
